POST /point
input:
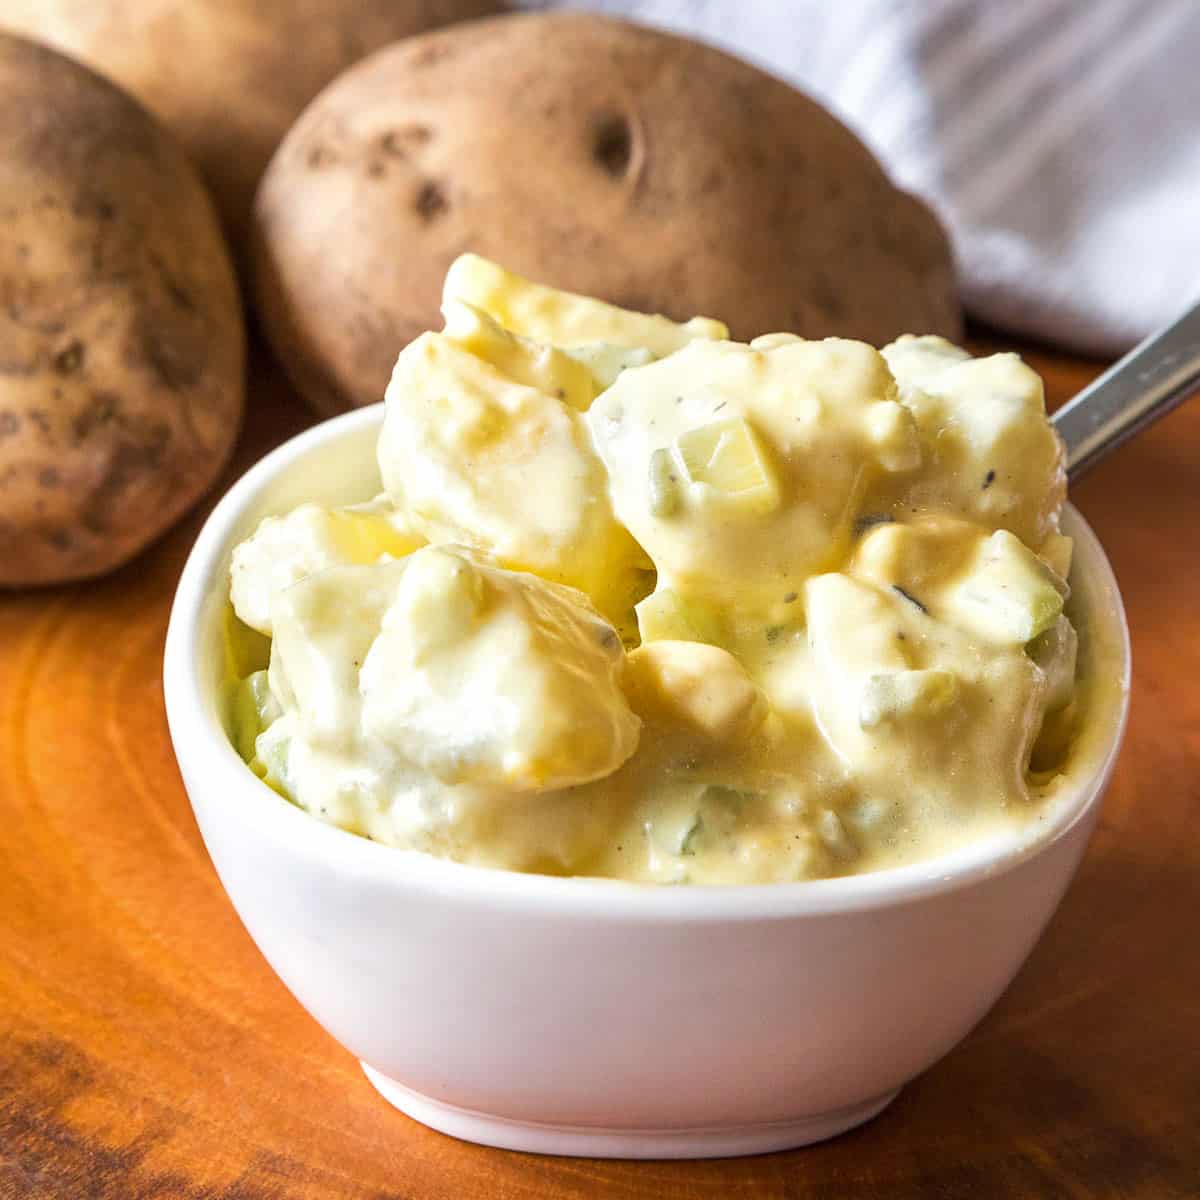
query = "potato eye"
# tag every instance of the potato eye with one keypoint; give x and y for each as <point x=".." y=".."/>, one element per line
<point x="612" y="145"/>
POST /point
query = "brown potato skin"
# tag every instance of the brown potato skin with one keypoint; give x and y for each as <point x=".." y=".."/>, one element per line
<point x="122" y="345"/>
<point x="589" y="154"/>
<point x="227" y="77"/>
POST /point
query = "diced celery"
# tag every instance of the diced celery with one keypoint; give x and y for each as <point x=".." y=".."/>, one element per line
<point x="726" y="456"/>
<point x="273" y="750"/>
<point x="717" y="814"/>
<point x="1056" y="552"/>
<point x="895" y="694"/>
<point x="833" y="834"/>
<point x="1055" y="651"/>
<point x="253" y="709"/>
<point x="727" y="799"/>
<point x="1008" y="595"/>
<point x="664" y="484"/>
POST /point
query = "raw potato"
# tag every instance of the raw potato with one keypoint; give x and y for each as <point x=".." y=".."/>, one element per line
<point x="121" y="339"/>
<point x="588" y="154"/>
<point x="227" y="77"/>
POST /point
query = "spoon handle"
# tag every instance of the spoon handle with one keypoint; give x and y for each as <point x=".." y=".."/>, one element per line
<point x="1146" y="384"/>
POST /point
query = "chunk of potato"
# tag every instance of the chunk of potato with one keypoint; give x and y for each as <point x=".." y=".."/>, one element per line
<point x="561" y="318"/>
<point x="286" y="549"/>
<point x="921" y="556"/>
<point x="324" y="625"/>
<point x="546" y="368"/>
<point x="446" y="663"/>
<point x="486" y="676"/>
<point x="1007" y="595"/>
<point x="990" y="585"/>
<point x="908" y="702"/>
<point x="703" y="688"/>
<point x="991" y="454"/>
<point x="470" y="455"/>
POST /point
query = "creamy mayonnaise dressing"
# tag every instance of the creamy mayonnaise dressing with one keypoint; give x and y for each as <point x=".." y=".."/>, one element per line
<point x="642" y="602"/>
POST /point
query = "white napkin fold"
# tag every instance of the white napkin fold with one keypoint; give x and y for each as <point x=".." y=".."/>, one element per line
<point x="1058" y="139"/>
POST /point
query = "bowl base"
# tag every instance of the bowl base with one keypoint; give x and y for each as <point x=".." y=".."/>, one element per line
<point x="720" y="1141"/>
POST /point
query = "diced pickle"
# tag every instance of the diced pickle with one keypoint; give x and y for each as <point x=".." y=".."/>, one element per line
<point x="717" y="814"/>
<point x="833" y="835"/>
<point x="688" y="845"/>
<point x="1009" y="595"/>
<point x="898" y="694"/>
<point x="664" y="484"/>
<point x="726" y="456"/>
<point x="664" y="614"/>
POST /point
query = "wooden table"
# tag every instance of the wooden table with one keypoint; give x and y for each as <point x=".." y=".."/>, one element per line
<point x="148" y="1053"/>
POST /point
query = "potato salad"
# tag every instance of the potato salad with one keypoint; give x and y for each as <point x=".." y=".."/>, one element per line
<point x="642" y="602"/>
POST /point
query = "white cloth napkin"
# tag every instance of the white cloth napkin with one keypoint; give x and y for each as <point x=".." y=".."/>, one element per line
<point x="1058" y="139"/>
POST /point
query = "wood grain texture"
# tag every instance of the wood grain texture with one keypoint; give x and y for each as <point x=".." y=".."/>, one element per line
<point x="147" y="1052"/>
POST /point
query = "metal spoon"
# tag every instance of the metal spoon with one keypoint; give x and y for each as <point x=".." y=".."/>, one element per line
<point x="1146" y="384"/>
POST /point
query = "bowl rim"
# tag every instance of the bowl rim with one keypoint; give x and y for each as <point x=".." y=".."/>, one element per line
<point x="201" y="742"/>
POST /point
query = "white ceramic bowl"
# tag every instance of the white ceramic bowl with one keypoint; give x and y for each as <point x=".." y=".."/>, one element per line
<point x="593" y="1017"/>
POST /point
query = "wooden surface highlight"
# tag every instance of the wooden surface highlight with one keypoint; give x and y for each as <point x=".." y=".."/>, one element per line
<point x="147" y="1051"/>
